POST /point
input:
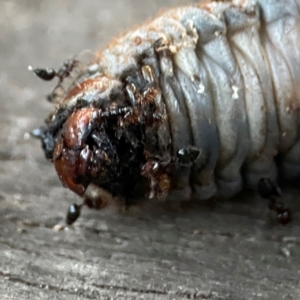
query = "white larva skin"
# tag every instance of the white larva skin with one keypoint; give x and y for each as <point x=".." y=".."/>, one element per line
<point x="229" y="87"/>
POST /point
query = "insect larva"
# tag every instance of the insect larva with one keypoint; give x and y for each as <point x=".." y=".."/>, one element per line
<point x="198" y="102"/>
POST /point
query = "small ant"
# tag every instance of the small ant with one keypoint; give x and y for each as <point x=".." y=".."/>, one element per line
<point x="267" y="189"/>
<point x="49" y="73"/>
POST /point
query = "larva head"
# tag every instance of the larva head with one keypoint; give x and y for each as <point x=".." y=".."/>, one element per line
<point x="103" y="134"/>
<point x="83" y="152"/>
<point x="95" y="142"/>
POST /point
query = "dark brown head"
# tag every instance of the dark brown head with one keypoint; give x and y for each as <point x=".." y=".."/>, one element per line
<point x="88" y="151"/>
<point x="77" y="154"/>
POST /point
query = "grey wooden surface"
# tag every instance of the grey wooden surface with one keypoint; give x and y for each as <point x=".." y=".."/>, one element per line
<point x="227" y="250"/>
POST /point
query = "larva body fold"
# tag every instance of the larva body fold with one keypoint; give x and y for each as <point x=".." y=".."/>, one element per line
<point x="198" y="102"/>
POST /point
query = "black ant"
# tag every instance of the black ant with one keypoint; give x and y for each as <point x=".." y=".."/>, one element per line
<point x="63" y="72"/>
<point x="269" y="190"/>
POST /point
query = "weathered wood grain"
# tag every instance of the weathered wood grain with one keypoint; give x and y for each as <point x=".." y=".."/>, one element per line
<point x="229" y="250"/>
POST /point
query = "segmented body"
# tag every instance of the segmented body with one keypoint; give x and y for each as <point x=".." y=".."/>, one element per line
<point x="198" y="102"/>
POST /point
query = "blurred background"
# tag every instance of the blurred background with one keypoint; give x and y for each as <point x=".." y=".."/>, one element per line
<point x="232" y="250"/>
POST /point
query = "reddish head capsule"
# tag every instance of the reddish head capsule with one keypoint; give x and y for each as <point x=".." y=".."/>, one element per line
<point x="84" y="156"/>
<point x="72" y="157"/>
<point x="95" y="144"/>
